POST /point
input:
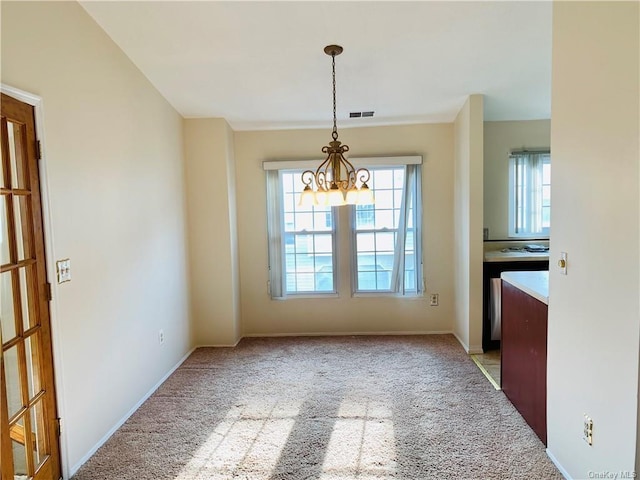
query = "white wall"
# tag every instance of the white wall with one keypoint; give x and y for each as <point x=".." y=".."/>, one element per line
<point x="263" y="316"/>
<point x="499" y="139"/>
<point x="468" y="211"/>
<point x="215" y="285"/>
<point x="594" y="311"/>
<point x="113" y="149"/>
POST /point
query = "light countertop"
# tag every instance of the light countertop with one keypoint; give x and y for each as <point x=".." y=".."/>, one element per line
<point x="534" y="283"/>
<point x="519" y="256"/>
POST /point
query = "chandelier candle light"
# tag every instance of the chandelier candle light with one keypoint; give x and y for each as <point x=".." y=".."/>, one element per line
<point x="335" y="182"/>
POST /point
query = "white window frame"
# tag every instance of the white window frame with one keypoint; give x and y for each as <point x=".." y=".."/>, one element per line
<point x="515" y="230"/>
<point x="277" y="280"/>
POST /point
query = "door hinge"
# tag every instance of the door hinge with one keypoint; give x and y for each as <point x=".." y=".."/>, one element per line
<point x="59" y="426"/>
<point x="48" y="291"/>
<point x="38" y="150"/>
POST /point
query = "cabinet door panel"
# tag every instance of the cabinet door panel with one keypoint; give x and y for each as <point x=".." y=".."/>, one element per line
<point x="524" y="356"/>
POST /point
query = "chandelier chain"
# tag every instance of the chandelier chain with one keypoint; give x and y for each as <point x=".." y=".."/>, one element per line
<point x="336" y="181"/>
<point x="334" y="134"/>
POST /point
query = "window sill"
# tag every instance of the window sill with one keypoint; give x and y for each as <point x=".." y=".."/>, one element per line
<point x="307" y="296"/>
<point x="387" y="295"/>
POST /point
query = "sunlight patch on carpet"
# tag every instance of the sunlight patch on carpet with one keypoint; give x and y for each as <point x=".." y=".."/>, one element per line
<point x="249" y="440"/>
<point x="362" y="444"/>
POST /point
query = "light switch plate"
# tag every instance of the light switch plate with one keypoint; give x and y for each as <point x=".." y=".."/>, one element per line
<point x="63" y="270"/>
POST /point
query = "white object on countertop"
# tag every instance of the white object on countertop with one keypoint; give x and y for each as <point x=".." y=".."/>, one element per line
<point x="518" y="256"/>
<point x="534" y="283"/>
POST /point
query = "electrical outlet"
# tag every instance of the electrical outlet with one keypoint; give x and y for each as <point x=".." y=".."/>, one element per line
<point x="433" y="300"/>
<point x="587" y="433"/>
<point x="161" y="337"/>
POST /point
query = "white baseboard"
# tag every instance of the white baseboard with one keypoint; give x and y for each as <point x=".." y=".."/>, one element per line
<point x="555" y="461"/>
<point x="347" y="334"/>
<point x="219" y="345"/>
<point x="106" y="437"/>
<point x="470" y="349"/>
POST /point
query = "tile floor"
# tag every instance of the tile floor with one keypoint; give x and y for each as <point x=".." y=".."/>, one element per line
<point x="489" y="362"/>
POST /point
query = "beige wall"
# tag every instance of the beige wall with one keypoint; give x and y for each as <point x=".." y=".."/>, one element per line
<point x="594" y="311"/>
<point x="113" y="153"/>
<point x="210" y="175"/>
<point x="263" y="316"/>
<point x="499" y="139"/>
<point x="468" y="254"/>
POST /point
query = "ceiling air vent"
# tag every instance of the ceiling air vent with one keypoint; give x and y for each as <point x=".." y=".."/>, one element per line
<point x="360" y="114"/>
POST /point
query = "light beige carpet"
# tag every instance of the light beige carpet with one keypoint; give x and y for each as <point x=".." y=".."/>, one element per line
<point x="325" y="408"/>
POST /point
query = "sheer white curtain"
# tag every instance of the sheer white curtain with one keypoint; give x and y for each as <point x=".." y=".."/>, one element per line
<point x="411" y="197"/>
<point x="274" y="232"/>
<point x="527" y="192"/>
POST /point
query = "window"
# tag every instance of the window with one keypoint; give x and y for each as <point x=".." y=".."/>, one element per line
<point x="529" y="194"/>
<point x="303" y="239"/>
<point x="309" y="240"/>
<point x="384" y="234"/>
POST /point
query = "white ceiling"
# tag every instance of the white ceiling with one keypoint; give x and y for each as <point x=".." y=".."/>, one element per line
<point x="261" y="65"/>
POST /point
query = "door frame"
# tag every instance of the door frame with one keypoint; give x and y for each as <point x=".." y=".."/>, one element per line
<point x="37" y="103"/>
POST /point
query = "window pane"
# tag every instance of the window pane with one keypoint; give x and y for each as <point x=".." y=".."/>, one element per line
<point x="287" y="182"/>
<point x="305" y="282"/>
<point x="366" y="281"/>
<point x="366" y="262"/>
<point x="384" y="219"/>
<point x="365" y="215"/>
<point x="324" y="281"/>
<point x="384" y="199"/>
<point x="14" y="380"/>
<point x="303" y="243"/>
<point x="290" y="262"/>
<point x="304" y="263"/>
<point x="385" y="241"/>
<point x="383" y="280"/>
<point x="408" y="241"/>
<point x="321" y="220"/>
<point x="7" y="314"/>
<point x="546" y="217"/>
<point x="382" y="179"/>
<point x="289" y="222"/>
<point x="289" y="202"/>
<point x="304" y="221"/>
<point x="410" y="280"/>
<point x="384" y="261"/>
<point x="290" y="282"/>
<point x="546" y="195"/>
<point x="365" y="242"/>
<point x="398" y="178"/>
<point x="4" y="232"/>
<point x="397" y="198"/>
<point x="323" y="243"/>
<point x="546" y="173"/>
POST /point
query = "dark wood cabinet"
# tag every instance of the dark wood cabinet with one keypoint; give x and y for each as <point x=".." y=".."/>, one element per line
<point x="493" y="270"/>
<point x="524" y="356"/>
